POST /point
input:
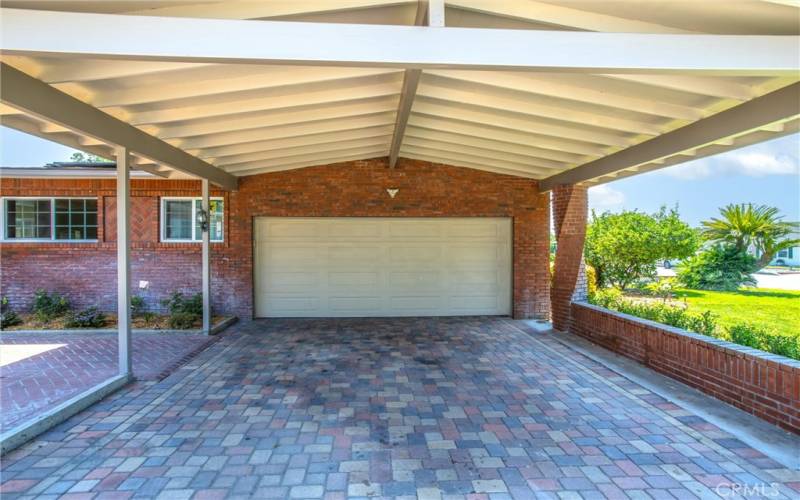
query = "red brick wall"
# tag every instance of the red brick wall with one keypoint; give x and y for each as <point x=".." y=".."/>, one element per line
<point x="87" y="271"/>
<point x="570" y="206"/>
<point x="765" y="385"/>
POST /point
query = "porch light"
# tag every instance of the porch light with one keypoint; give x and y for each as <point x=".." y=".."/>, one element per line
<point x="202" y="219"/>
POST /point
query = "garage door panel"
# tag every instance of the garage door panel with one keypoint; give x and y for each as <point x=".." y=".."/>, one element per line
<point x="278" y="256"/>
<point x="417" y="305"/>
<point x="301" y="279"/>
<point x="414" y="229"/>
<point x="355" y="306"/>
<point x="415" y="254"/>
<point x="290" y="305"/>
<point x="382" y="266"/>
<point x="351" y="279"/>
<point x="355" y="255"/>
<point x="294" y="229"/>
<point x="353" y="229"/>
<point x="474" y="231"/>
<point x="424" y="280"/>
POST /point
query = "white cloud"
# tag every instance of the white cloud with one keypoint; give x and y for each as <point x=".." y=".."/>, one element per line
<point x="603" y="197"/>
<point x="750" y="164"/>
<point x="762" y="164"/>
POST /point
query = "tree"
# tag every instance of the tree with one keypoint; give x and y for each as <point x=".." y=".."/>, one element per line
<point x="88" y="158"/>
<point x="720" y="267"/>
<point x="747" y="227"/>
<point x="624" y="248"/>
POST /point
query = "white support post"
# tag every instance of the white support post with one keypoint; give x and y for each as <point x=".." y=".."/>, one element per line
<point x="206" y="260"/>
<point x="123" y="261"/>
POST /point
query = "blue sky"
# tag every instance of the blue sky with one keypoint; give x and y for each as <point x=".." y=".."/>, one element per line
<point x="767" y="173"/>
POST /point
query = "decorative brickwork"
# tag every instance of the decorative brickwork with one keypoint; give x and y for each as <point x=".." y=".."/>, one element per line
<point x="569" y="214"/>
<point x="766" y="385"/>
<point x="87" y="271"/>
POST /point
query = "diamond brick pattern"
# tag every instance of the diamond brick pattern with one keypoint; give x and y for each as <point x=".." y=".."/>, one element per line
<point x="467" y="408"/>
<point x="57" y="367"/>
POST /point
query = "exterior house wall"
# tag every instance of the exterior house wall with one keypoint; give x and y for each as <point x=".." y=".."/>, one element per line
<point x="766" y="385"/>
<point x="86" y="272"/>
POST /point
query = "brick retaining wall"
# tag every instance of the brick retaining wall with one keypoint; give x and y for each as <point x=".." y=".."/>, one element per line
<point x="766" y="385"/>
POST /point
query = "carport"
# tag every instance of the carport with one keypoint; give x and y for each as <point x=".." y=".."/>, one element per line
<point x="553" y="96"/>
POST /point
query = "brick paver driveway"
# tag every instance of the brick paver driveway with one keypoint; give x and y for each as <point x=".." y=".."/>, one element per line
<point x="40" y="370"/>
<point x="461" y="408"/>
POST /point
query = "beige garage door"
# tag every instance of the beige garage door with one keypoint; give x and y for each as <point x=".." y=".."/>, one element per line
<point x="326" y="267"/>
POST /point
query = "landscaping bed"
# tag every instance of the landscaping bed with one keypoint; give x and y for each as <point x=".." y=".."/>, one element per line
<point x="761" y="319"/>
<point x="157" y="322"/>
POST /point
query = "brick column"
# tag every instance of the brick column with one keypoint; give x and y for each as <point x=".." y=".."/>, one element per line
<point x="570" y="207"/>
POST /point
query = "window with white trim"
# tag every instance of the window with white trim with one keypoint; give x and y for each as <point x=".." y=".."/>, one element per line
<point x="49" y="219"/>
<point x="179" y="219"/>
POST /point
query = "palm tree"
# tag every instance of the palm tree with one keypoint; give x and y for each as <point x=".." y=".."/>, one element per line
<point x="746" y="226"/>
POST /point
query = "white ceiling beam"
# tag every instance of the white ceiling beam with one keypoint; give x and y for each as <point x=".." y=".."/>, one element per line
<point x="285" y="116"/>
<point x="407" y="94"/>
<point x="777" y="106"/>
<point x="305" y="164"/>
<point x="431" y="13"/>
<point x="506" y="135"/>
<point x="360" y="153"/>
<point x="225" y="81"/>
<point x="279" y="132"/>
<point x="522" y="124"/>
<point x="275" y="99"/>
<point x="41" y="100"/>
<point x="32" y="32"/>
<point x="710" y="86"/>
<point x="496" y="145"/>
<point x="474" y="166"/>
<point x="540" y="84"/>
<point x="241" y="160"/>
<point x="256" y="148"/>
<point x="477" y="160"/>
<point x="446" y="89"/>
<point x="248" y="9"/>
<point x="548" y="13"/>
<point x="485" y="153"/>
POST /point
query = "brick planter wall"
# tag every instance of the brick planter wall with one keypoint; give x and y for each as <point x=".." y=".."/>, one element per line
<point x="766" y="385"/>
<point x="86" y="272"/>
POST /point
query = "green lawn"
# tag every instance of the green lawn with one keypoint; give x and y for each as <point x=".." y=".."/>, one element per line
<point x="778" y="310"/>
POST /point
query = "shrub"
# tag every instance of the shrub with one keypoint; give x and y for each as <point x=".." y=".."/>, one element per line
<point x="591" y="280"/>
<point x="177" y="303"/>
<point x="761" y="338"/>
<point x="138" y="306"/>
<point x="721" y="267"/>
<point x="704" y="323"/>
<point x="7" y="316"/>
<point x="88" y="318"/>
<point x="183" y="311"/>
<point x="662" y="288"/>
<point x="182" y="320"/>
<point x="47" y="307"/>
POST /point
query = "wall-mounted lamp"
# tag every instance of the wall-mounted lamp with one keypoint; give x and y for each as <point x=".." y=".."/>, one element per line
<point x="202" y="219"/>
<point x="392" y="192"/>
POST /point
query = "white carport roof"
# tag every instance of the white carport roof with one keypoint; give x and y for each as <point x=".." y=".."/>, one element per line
<point x="563" y="91"/>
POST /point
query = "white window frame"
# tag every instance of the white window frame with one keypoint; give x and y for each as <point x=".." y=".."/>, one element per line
<point x="162" y="223"/>
<point x="52" y="200"/>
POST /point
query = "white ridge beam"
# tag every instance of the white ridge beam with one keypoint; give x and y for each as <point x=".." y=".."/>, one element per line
<point x="32" y="32"/>
<point x="757" y="113"/>
<point x="39" y="99"/>
<point x="430" y="12"/>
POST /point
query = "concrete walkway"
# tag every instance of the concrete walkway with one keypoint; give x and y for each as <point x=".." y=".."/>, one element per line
<point x="414" y="407"/>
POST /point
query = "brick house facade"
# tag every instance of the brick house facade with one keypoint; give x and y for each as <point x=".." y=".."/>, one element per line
<point x="86" y="271"/>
